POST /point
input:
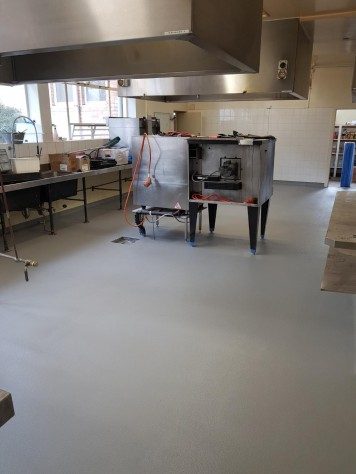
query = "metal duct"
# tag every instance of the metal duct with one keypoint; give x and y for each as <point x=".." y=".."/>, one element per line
<point x="86" y="39"/>
<point x="284" y="43"/>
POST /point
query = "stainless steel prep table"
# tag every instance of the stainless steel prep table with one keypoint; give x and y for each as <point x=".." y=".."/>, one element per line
<point x="62" y="178"/>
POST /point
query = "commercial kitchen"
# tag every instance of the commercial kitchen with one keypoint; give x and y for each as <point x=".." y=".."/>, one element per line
<point x="178" y="237"/>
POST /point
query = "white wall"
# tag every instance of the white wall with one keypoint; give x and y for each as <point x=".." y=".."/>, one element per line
<point x="331" y="87"/>
<point x="304" y="143"/>
<point x="146" y="108"/>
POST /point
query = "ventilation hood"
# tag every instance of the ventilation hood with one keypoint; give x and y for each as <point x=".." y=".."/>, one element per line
<point x="43" y="41"/>
<point x="285" y="68"/>
<point x="354" y="86"/>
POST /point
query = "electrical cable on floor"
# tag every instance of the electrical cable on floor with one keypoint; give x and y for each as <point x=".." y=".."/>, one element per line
<point x="174" y="214"/>
<point x="177" y="219"/>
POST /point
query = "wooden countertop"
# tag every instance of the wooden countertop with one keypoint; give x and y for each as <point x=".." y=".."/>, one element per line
<point x="6" y="407"/>
<point x="342" y="228"/>
<point x="340" y="270"/>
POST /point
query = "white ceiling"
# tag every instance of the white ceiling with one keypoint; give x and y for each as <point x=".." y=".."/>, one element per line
<point x="295" y="8"/>
<point x="335" y="38"/>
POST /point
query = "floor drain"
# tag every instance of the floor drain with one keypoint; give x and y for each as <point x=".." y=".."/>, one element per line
<point x="124" y="240"/>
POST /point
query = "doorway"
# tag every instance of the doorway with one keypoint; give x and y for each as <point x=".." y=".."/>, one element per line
<point x="345" y="131"/>
<point x="190" y="122"/>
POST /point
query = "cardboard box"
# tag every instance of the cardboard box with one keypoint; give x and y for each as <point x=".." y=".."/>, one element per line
<point x="63" y="162"/>
<point x="69" y="162"/>
<point x="83" y="162"/>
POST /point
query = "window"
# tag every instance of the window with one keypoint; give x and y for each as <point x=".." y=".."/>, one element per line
<point x="60" y="91"/>
<point x="12" y="104"/>
<point x="95" y="95"/>
<point x="14" y="96"/>
<point x="89" y="103"/>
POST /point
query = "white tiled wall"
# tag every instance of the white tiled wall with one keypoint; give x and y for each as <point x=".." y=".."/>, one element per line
<point x="304" y="137"/>
<point x="242" y="120"/>
<point x="304" y="144"/>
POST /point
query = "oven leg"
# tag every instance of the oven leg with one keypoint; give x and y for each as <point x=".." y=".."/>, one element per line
<point x="193" y="215"/>
<point x="264" y="217"/>
<point x="253" y="221"/>
<point x="212" y="208"/>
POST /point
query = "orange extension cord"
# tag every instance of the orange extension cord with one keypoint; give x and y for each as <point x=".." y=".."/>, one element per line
<point x="135" y="173"/>
<point x="147" y="183"/>
<point x="210" y="197"/>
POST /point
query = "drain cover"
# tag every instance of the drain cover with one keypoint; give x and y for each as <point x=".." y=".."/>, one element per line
<point x="124" y="240"/>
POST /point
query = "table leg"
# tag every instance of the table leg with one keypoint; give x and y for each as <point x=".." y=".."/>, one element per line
<point x="3" y="231"/>
<point x="120" y="189"/>
<point x="50" y="209"/>
<point x="85" y="201"/>
<point x="253" y="221"/>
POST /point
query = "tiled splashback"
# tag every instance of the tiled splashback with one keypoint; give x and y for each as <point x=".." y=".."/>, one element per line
<point x="29" y="149"/>
<point x="304" y="137"/>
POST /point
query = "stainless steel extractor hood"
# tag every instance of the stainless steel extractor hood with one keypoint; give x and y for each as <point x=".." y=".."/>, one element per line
<point x="353" y="90"/>
<point x="285" y="68"/>
<point x="42" y="41"/>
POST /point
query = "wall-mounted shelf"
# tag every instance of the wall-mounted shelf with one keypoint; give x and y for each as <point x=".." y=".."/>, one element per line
<point x="345" y="140"/>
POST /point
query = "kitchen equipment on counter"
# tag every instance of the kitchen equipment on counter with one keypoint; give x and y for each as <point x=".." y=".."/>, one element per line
<point x="120" y="155"/>
<point x="69" y="162"/>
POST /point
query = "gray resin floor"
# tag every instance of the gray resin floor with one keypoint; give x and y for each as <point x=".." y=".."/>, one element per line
<point x="157" y="358"/>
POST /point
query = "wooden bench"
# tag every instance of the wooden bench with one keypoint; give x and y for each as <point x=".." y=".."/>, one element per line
<point x="6" y="407"/>
<point x="340" y="270"/>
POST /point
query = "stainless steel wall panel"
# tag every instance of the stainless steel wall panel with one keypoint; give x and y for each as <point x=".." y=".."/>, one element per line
<point x="169" y="172"/>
